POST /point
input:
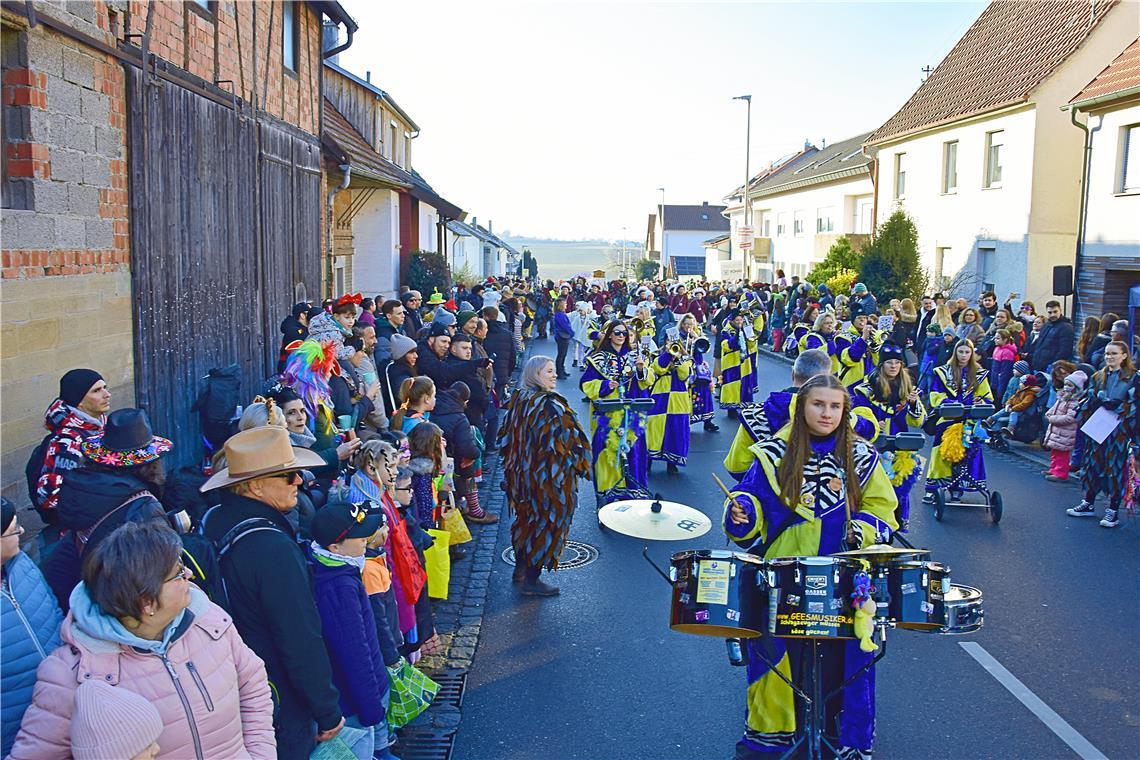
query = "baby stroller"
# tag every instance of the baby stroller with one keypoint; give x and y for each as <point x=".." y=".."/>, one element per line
<point x="1030" y="425"/>
<point x="968" y="474"/>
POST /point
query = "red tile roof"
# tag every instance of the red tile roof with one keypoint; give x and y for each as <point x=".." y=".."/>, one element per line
<point x="1012" y="48"/>
<point x="1122" y="74"/>
<point x="363" y="155"/>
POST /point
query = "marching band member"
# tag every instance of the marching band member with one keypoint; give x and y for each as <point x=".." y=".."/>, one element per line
<point x="702" y="379"/>
<point x="814" y="489"/>
<point x="583" y="321"/>
<point x="613" y="371"/>
<point x="822" y="336"/>
<point x="667" y="432"/>
<point x="857" y="350"/>
<point x="960" y="380"/>
<point x="889" y="393"/>
<point x="732" y="364"/>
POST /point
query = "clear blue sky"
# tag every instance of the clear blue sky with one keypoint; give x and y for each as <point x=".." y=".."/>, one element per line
<point x="560" y="119"/>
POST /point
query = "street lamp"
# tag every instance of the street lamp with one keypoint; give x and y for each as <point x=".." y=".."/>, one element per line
<point x="661" y="252"/>
<point x="624" y="263"/>
<point x="747" y="172"/>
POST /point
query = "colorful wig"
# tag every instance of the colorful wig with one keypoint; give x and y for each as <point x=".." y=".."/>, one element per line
<point x="308" y="368"/>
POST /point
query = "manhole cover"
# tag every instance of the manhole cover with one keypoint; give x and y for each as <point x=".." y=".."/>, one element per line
<point x="574" y="554"/>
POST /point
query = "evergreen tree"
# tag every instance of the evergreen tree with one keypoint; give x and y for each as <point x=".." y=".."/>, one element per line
<point x="841" y="258"/>
<point x="428" y="270"/>
<point x="891" y="267"/>
<point x="647" y="269"/>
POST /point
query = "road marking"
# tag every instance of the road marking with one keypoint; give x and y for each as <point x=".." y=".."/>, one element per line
<point x="1054" y="722"/>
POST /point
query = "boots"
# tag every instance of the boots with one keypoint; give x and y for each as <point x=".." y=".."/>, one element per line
<point x="711" y="427"/>
<point x="538" y="588"/>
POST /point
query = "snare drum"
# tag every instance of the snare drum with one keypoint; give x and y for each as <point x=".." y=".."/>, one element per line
<point x="717" y="593"/>
<point x="964" y="612"/>
<point x="918" y="591"/>
<point x="810" y="597"/>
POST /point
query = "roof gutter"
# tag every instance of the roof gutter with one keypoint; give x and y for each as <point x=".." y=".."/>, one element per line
<point x="1084" y="105"/>
<point x="337" y="13"/>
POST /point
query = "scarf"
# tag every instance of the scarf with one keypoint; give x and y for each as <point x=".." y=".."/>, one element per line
<point x="333" y="557"/>
<point x="304" y="440"/>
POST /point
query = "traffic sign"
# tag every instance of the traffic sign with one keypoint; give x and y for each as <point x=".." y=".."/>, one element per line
<point x="745" y="236"/>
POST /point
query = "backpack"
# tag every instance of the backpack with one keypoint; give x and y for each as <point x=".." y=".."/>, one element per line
<point x="219" y="406"/>
<point x="204" y="557"/>
<point x="34" y="469"/>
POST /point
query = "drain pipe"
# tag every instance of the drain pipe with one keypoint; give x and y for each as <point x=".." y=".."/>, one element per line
<point x="346" y="168"/>
<point x="1084" y="208"/>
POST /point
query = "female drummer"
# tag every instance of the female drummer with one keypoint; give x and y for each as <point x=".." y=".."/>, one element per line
<point x="815" y="488"/>
<point x="667" y="432"/>
<point x="891" y="396"/>
<point x="961" y="380"/>
<point x="613" y="372"/>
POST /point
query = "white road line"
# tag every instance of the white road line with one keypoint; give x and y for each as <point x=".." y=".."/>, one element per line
<point x="1054" y="722"/>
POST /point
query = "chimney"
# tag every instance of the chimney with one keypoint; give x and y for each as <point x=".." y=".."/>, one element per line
<point x="823" y="144"/>
<point x="330" y="37"/>
<point x="367" y="76"/>
<point x="490" y="227"/>
<point x="475" y="222"/>
<point x="704" y="203"/>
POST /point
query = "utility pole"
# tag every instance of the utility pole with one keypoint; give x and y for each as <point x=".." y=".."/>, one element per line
<point x="661" y="244"/>
<point x="624" y="263"/>
<point x="747" y="176"/>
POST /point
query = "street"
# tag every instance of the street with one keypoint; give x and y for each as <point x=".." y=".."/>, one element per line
<point x="597" y="672"/>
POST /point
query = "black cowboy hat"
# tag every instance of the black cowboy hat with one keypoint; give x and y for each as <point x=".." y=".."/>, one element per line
<point x="127" y="441"/>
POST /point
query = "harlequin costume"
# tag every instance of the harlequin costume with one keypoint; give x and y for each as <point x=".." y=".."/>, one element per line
<point x="952" y="438"/>
<point x="734" y="364"/>
<point x="611" y="375"/>
<point x="815" y="340"/>
<point x="543" y="453"/>
<point x="1107" y="469"/>
<point x="701" y="389"/>
<point x="817" y="526"/>
<point x="894" y="415"/>
<point x="856" y="358"/>
<point x="667" y="431"/>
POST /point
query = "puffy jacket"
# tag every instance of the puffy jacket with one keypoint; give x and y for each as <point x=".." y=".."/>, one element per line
<point x="392" y="375"/>
<point x="1062" y="418"/>
<point x="444" y="373"/>
<point x="1054" y="342"/>
<point x="208" y="686"/>
<point x="29" y="627"/>
<point x="449" y="416"/>
<point x="500" y="346"/>
<point x="70" y="428"/>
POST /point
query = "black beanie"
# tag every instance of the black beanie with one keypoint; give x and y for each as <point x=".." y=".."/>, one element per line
<point x="74" y="385"/>
<point x="7" y="515"/>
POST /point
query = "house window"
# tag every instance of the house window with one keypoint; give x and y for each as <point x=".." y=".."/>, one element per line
<point x="340" y="288"/>
<point x="900" y="176"/>
<point x="950" y="166"/>
<point x="782" y="224"/>
<point x="798" y="224"/>
<point x="994" y="145"/>
<point x="825" y="219"/>
<point x="940" y="281"/>
<point x="395" y="136"/>
<point x="1130" y="159"/>
<point x="765" y="224"/>
<point x="987" y="266"/>
<point x="289" y="35"/>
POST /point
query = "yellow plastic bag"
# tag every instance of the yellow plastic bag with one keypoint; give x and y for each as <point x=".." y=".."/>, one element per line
<point x="454" y="524"/>
<point x="437" y="562"/>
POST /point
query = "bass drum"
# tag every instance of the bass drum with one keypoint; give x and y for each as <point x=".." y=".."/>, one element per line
<point x="810" y="597"/>
<point x="918" y="591"/>
<point x="717" y="593"/>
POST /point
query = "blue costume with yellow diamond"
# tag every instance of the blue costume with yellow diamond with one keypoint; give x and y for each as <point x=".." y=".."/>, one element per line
<point x="667" y="432"/>
<point x="954" y="446"/>
<point x="611" y="375"/>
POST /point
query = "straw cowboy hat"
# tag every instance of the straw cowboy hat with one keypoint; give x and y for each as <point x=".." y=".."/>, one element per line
<point x="259" y="452"/>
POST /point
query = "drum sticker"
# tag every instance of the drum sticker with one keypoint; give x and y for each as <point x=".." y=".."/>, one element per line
<point x="732" y="614"/>
<point x="816" y="607"/>
<point x="712" y="582"/>
<point x="909" y="588"/>
<point x="927" y="607"/>
<point x="793" y="600"/>
<point x="816" y="585"/>
<point x="684" y="598"/>
<point x="836" y="604"/>
<point x="701" y="616"/>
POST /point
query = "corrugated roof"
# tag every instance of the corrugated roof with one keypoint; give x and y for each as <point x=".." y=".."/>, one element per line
<point x="688" y="265"/>
<point x="1120" y="75"/>
<point x="843" y="159"/>
<point x="704" y="218"/>
<point x="364" y="158"/>
<point x="1011" y="49"/>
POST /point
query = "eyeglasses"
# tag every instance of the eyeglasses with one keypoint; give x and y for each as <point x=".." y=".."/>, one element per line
<point x="19" y="531"/>
<point x="406" y="488"/>
<point x="179" y="574"/>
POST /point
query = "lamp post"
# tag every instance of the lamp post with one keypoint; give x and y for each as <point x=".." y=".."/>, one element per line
<point x="747" y="174"/>
<point x="661" y="252"/>
<point x="624" y="263"/>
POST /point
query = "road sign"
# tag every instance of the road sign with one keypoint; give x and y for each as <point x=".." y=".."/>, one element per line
<point x="745" y="236"/>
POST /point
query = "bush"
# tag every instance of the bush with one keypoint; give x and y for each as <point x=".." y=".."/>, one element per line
<point x="841" y="281"/>
<point x="427" y="272"/>
<point x="647" y="269"/>
<point x="841" y="257"/>
<point x="463" y="275"/>
<point x="891" y="267"/>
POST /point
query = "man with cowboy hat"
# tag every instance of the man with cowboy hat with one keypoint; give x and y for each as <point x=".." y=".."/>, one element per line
<point x="267" y="579"/>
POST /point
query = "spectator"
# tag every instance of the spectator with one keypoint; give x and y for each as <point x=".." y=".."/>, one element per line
<point x="77" y="415"/>
<point x="401" y="365"/>
<point x="563" y="334"/>
<point x="466" y="322"/>
<point x="353" y="401"/>
<point x="336" y="325"/>
<point x="136" y="598"/>
<point x="499" y="345"/>
<point x="109" y="722"/>
<point x="925" y="317"/>
<point x="1055" y="340"/>
<point x="267" y="581"/>
<point x="293" y="328"/>
<point x="1088" y="334"/>
<point x="433" y="350"/>
<point x="417" y="401"/>
<point x="1001" y="366"/>
<point x="1063" y="419"/>
<point x="367" y="314"/>
<point x="476" y="297"/>
<point x="1118" y="330"/>
<point x="121" y="481"/>
<point x="462" y="352"/>
<point x="988" y="308"/>
<point x="969" y="326"/>
<point x="903" y="334"/>
<point x="29" y="625"/>
<point x="391" y="322"/>
<point x="1026" y="314"/>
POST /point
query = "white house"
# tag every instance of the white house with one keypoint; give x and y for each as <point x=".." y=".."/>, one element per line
<point x="983" y="158"/>
<point x="481" y="251"/>
<point x="801" y="206"/>
<point x="1109" y="255"/>
<point x="680" y="232"/>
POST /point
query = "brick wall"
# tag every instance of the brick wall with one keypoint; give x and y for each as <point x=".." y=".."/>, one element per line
<point x="64" y="280"/>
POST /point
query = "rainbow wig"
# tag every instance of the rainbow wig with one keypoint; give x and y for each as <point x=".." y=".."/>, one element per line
<point x="308" y="368"/>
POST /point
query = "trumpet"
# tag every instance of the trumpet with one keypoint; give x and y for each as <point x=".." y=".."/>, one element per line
<point x="701" y="345"/>
<point x="676" y="349"/>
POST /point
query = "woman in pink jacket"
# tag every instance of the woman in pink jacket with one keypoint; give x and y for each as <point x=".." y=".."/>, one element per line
<point x="138" y="623"/>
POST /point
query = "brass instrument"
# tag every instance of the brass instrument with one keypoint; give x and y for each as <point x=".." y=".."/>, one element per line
<point x="701" y="345"/>
<point x="676" y="349"/>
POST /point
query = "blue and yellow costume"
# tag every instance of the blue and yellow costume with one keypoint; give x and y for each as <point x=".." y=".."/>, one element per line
<point x="701" y="390"/>
<point x="856" y="358"/>
<point x="667" y="432"/>
<point x="817" y="526"/>
<point x="894" y="415"/>
<point x="748" y="374"/>
<point x="823" y="342"/>
<point x="611" y="375"/>
<point x="953" y="439"/>
<point x="734" y="365"/>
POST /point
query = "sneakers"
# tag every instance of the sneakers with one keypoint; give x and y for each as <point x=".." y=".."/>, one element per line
<point x="904" y="526"/>
<point x="1111" y="518"/>
<point x="1084" y="509"/>
<point x="538" y="588"/>
<point x="711" y="426"/>
<point x="1054" y="479"/>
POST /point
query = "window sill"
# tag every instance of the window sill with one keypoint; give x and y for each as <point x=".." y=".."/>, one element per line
<point x="210" y="15"/>
<point x="1126" y="193"/>
<point x="949" y="192"/>
<point x="289" y="72"/>
<point x="996" y="186"/>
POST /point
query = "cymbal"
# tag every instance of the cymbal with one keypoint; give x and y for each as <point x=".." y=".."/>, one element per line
<point x="881" y="552"/>
<point x="654" y="519"/>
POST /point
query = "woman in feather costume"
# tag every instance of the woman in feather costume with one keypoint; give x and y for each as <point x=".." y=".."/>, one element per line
<point x="308" y="368"/>
<point x="544" y="453"/>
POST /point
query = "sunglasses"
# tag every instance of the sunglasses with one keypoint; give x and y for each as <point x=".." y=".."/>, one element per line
<point x="619" y="332"/>
<point x="292" y="478"/>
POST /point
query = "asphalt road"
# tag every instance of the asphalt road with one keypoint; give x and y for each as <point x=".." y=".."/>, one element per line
<point x="598" y="673"/>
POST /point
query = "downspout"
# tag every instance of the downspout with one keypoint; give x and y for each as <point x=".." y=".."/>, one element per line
<point x="346" y="168"/>
<point x="1083" y="213"/>
<point x="873" y="167"/>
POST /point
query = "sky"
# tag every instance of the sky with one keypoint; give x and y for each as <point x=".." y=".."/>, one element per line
<point x="562" y="119"/>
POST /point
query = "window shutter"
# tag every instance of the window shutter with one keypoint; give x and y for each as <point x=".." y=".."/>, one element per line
<point x="1130" y="163"/>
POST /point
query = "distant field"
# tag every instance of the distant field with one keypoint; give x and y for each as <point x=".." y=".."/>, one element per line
<point x="561" y="260"/>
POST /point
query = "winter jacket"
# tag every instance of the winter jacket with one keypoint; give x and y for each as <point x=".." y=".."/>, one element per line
<point x="1053" y="343"/>
<point x="563" y="330"/>
<point x="499" y="345"/>
<point x="349" y="631"/>
<point x="207" y="685"/>
<point x="449" y="416"/>
<point x="1095" y="349"/>
<point x="384" y="332"/>
<point x="291" y="330"/>
<point x="391" y="376"/>
<point x="864" y="304"/>
<point x="347" y="393"/>
<point x="1023" y="397"/>
<point x="29" y="628"/>
<point x="477" y="404"/>
<point x="1006" y="353"/>
<point x="1063" y="422"/>
<point x="325" y="329"/>
<point x="267" y="578"/>
<point x="444" y="373"/>
<point x="69" y="428"/>
<point x="87" y="497"/>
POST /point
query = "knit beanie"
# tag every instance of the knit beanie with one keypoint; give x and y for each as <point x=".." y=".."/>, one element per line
<point x="444" y="317"/>
<point x="75" y="383"/>
<point x="1078" y="379"/>
<point x="1021" y="366"/>
<point x="401" y="345"/>
<point x="463" y="316"/>
<point x="111" y="722"/>
<point x="437" y="329"/>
